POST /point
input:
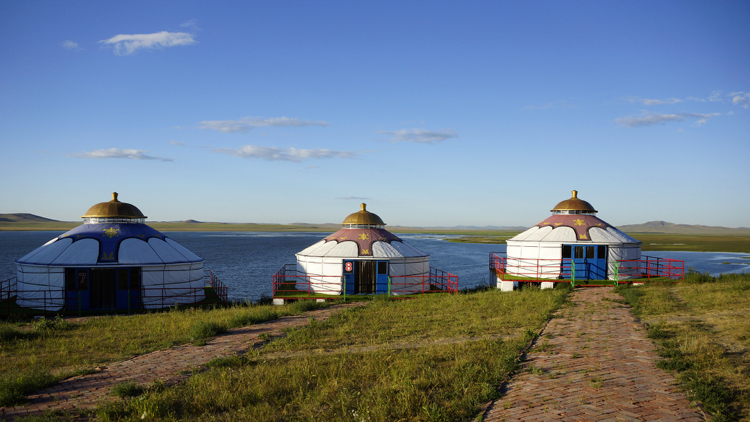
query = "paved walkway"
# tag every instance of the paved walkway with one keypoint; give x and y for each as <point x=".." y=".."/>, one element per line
<point x="592" y="362"/>
<point x="170" y="366"/>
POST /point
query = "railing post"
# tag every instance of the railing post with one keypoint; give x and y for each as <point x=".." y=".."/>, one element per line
<point x="343" y="283"/>
<point x="573" y="273"/>
<point x="389" y="286"/>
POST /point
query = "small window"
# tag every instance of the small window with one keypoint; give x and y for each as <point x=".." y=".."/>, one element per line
<point x="590" y="252"/>
<point x="382" y="267"/>
<point x="601" y="252"/>
<point x="566" y="253"/>
<point x="579" y="252"/>
<point x="135" y="278"/>
<point x="70" y="279"/>
<point x="122" y="279"/>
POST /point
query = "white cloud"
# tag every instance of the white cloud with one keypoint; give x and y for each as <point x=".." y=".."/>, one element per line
<point x="246" y="123"/>
<point x="420" y="136"/>
<point x="283" y="154"/>
<point x="131" y="154"/>
<point x="649" y="101"/>
<point x="191" y="24"/>
<point x="125" y="44"/>
<point x="182" y="144"/>
<point x="647" y="119"/>
<point x="551" y="104"/>
<point x="71" y="45"/>
<point x="741" y="99"/>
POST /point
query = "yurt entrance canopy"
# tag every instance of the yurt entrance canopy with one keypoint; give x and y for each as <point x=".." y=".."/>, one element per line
<point x="361" y="258"/>
<point x="113" y="261"/>
<point x="573" y="244"/>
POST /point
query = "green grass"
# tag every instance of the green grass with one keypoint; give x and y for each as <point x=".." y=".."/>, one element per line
<point x="315" y="374"/>
<point x="703" y="334"/>
<point x="41" y="353"/>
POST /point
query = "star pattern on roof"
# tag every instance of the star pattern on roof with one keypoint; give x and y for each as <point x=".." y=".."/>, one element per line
<point x="111" y="232"/>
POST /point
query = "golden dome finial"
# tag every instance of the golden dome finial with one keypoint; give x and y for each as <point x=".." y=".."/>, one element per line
<point x="114" y="209"/>
<point x="363" y="217"/>
<point x="574" y="204"/>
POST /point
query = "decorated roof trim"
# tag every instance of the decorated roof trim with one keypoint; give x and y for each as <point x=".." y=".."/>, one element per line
<point x="580" y="223"/>
<point x="364" y="238"/>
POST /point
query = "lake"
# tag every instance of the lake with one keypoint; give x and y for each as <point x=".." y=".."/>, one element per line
<point x="245" y="261"/>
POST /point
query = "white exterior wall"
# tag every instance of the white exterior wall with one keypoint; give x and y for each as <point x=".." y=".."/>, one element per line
<point x="40" y="287"/>
<point x="320" y="266"/>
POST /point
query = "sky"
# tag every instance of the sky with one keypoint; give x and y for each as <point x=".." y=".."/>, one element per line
<point x="434" y="113"/>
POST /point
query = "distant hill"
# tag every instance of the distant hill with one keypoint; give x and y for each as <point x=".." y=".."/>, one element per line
<point x="672" y="228"/>
<point x="25" y="218"/>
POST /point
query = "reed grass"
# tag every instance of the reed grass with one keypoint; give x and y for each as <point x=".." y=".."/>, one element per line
<point x="321" y="379"/>
<point x="703" y="334"/>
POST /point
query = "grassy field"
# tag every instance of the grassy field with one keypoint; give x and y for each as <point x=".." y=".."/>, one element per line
<point x="703" y="333"/>
<point x="391" y="360"/>
<point x="34" y="355"/>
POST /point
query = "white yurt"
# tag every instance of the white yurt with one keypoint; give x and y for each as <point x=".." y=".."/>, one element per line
<point x="573" y="241"/>
<point x="362" y="256"/>
<point x="113" y="261"/>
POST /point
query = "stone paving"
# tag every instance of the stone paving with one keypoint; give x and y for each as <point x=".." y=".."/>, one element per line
<point x="592" y="362"/>
<point x="169" y="366"/>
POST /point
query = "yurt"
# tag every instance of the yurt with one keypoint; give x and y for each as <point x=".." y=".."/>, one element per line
<point x="362" y="256"/>
<point x="572" y="242"/>
<point x="113" y="261"/>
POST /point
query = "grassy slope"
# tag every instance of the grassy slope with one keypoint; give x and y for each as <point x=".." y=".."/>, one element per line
<point x="441" y="373"/>
<point x="703" y="334"/>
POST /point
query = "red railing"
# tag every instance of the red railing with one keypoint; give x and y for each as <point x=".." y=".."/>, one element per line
<point x="57" y="301"/>
<point x="564" y="271"/>
<point x="289" y="283"/>
<point x="651" y="267"/>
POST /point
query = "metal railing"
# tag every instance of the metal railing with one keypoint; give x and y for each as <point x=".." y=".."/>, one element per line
<point x="563" y="270"/>
<point x="289" y="283"/>
<point x="60" y="301"/>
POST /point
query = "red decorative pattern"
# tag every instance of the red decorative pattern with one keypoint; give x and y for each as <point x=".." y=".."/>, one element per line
<point x="580" y="223"/>
<point x="364" y="238"/>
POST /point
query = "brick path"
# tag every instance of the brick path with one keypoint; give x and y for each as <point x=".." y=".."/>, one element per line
<point x="169" y="365"/>
<point x="592" y="362"/>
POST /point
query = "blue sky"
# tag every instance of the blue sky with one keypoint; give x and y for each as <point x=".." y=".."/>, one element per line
<point x="433" y="113"/>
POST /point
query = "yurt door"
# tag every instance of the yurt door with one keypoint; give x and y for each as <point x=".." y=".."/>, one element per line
<point x="365" y="277"/>
<point x="103" y="288"/>
<point x="128" y="288"/>
<point x="382" y="277"/>
<point x="349" y="266"/>
<point x="77" y="288"/>
<point x="589" y="261"/>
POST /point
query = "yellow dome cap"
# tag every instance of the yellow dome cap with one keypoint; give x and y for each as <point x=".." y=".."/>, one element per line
<point x="364" y="217"/>
<point x="574" y="204"/>
<point x="114" y="209"/>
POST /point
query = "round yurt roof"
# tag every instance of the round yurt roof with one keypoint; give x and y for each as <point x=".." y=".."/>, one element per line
<point x="574" y="204"/>
<point x="363" y="217"/>
<point x="114" y="209"/>
<point x="578" y="225"/>
<point x="118" y="243"/>
<point x="362" y="235"/>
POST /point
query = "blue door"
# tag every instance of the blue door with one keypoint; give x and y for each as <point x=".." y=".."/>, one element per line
<point x="585" y="262"/>
<point x="128" y="288"/>
<point x="349" y="267"/>
<point x="77" y="288"/>
<point x="382" y="278"/>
